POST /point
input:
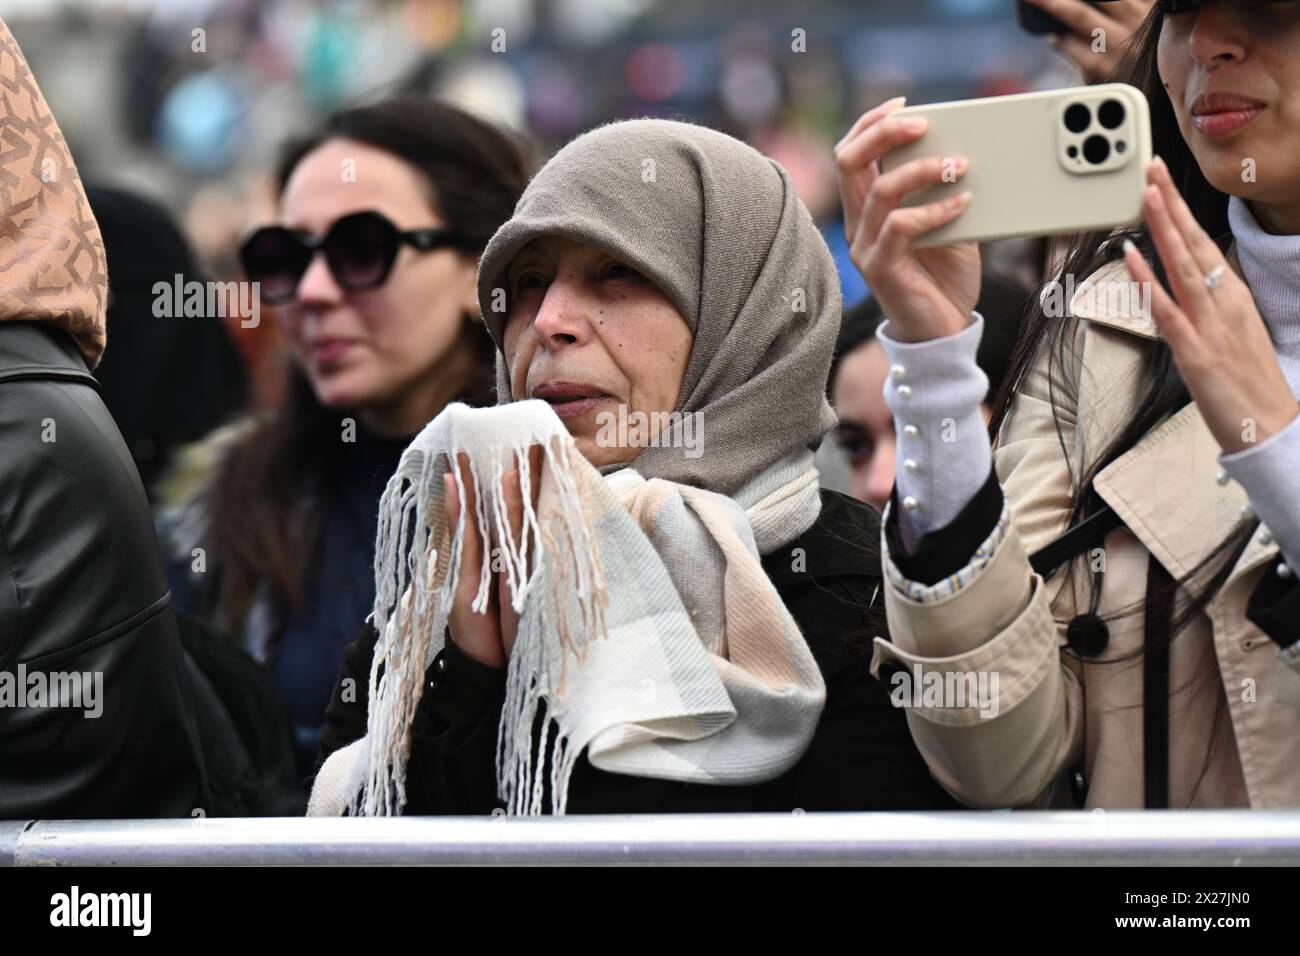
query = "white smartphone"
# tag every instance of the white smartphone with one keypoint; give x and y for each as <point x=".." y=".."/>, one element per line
<point x="1046" y="163"/>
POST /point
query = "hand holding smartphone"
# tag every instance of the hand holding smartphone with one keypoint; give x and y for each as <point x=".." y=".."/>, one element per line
<point x="926" y="293"/>
<point x="922" y="186"/>
<point x="1047" y="163"/>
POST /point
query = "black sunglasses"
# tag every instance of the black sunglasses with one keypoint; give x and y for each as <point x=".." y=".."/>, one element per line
<point x="359" y="248"/>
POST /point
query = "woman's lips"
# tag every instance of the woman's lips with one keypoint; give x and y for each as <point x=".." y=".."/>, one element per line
<point x="573" y="408"/>
<point x="1220" y="113"/>
<point x="326" y="353"/>
<point x="1226" y="122"/>
<point x="570" y="399"/>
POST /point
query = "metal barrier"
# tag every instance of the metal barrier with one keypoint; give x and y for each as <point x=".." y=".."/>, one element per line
<point x="1216" y="837"/>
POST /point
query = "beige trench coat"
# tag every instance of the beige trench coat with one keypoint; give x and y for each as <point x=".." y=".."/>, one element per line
<point x="1234" y="698"/>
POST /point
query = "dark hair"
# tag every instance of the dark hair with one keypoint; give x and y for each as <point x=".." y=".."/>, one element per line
<point x="1165" y="392"/>
<point x="857" y="327"/>
<point x="265" y="511"/>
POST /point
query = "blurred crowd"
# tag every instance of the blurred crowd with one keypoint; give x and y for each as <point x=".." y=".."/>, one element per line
<point x="195" y="96"/>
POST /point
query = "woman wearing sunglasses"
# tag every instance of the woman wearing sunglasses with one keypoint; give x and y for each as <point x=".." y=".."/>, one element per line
<point x="1160" y="666"/>
<point x="371" y="269"/>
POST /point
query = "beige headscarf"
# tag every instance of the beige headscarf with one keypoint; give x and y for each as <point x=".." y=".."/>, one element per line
<point x="649" y="627"/>
<point x="52" y="265"/>
<point x="680" y="203"/>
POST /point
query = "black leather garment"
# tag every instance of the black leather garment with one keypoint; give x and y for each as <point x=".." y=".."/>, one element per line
<point x="83" y="605"/>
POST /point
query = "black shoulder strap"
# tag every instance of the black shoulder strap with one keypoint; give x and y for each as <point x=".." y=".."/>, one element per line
<point x="1155" y="684"/>
<point x="1158" y="623"/>
<point x="1088" y="533"/>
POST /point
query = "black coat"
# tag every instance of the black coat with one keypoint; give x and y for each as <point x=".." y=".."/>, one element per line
<point x="861" y="756"/>
<point x="82" y="591"/>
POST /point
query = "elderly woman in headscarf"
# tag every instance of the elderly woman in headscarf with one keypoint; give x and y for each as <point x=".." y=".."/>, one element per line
<point x="622" y="589"/>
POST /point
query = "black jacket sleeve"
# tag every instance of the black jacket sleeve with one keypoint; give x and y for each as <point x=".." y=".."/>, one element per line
<point x="452" y="768"/>
<point x="1274" y="607"/>
<point x="945" y="551"/>
<point x="453" y="739"/>
<point x="862" y="756"/>
<point x="345" y="717"/>
<point x="243" y="726"/>
<point x="83" y="599"/>
<point x="453" y="755"/>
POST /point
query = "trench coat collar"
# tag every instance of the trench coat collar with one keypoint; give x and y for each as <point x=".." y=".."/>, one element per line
<point x="1167" y="488"/>
<point x="1126" y="312"/>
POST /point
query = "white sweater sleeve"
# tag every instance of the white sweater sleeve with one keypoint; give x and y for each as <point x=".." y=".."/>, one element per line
<point x="934" y="390"/>
<point x="1270" y="474"/>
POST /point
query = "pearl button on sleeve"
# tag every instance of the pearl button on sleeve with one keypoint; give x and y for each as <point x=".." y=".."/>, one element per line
<point x="934" y="390"/>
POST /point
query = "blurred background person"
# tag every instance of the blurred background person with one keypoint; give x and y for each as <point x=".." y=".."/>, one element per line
<point x="194" y="98"/>
<point x="168" y="380"/>
<point x="171" y="377"/>
<point x="269" y="524"/>
<point x="865" y="434"/>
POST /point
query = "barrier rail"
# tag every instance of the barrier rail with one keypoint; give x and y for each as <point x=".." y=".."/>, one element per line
<point x="1218" y="837"/>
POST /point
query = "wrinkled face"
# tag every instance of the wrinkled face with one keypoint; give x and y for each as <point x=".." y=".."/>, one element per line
<point x="588" y="334"/>
<point x="379" y="347"/>
<point x="1232" y="70"/>
<point x="866" y="429"/>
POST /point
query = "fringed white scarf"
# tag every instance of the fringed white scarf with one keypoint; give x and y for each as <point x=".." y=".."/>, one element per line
<point x="647" y="624"/>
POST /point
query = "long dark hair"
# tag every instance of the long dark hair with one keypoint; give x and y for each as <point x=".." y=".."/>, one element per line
<point x="265" y="509"/>
<point x="1165" y="392"/>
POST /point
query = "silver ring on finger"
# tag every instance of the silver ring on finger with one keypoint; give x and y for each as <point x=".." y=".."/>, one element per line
<point x="1215" y="276"/>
